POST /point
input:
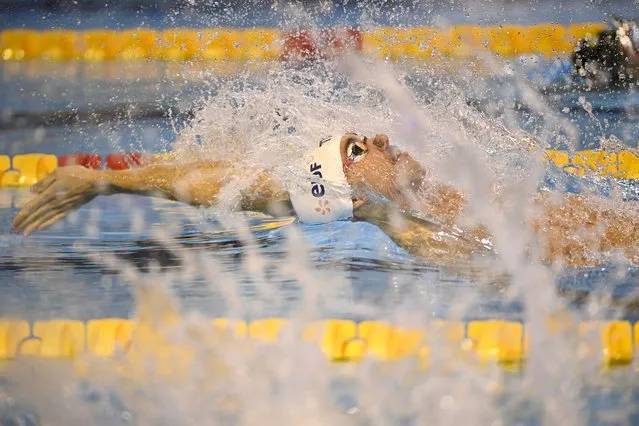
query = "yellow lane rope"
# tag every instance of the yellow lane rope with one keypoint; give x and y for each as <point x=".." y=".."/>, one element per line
<point x="612" y="343"/>
<point x="266" y="44"/>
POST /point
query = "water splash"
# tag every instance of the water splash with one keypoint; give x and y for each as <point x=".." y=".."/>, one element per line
<point x="270" y="122"/>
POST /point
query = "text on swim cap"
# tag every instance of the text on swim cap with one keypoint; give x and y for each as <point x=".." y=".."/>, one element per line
<point x="317" y="189"/>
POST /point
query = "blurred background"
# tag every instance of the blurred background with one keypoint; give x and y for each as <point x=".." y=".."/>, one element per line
<point x="196" y="13"/>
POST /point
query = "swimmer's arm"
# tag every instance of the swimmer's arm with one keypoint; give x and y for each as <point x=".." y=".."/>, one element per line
<point x="419" y="235"/>
<point x="198" y="184"/>
<point x="428" y="239"/>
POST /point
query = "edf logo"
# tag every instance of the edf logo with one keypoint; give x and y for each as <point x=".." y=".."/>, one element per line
<point x="317" y="189"/>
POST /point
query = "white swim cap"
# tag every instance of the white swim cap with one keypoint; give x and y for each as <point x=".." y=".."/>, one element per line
<point x="326" y="196"/>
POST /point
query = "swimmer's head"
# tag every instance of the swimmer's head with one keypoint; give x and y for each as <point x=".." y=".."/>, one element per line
<point x="373" y="165"/>
<point x="344" y="171"/>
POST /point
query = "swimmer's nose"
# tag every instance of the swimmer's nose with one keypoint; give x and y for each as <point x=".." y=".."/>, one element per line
<point x="380" y="142"/>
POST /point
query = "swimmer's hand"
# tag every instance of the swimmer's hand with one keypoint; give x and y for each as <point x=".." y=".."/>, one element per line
<point x="58" y="194"/>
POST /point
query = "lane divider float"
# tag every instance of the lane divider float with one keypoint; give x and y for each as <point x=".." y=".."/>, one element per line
<point x="270" y="44"/>
<point x="23" y="170"/>
<point x="611" y="343"/>
<point x="623" y="164"/>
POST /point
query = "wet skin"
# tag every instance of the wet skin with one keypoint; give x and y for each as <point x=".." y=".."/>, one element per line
<point x="570" y="229"/>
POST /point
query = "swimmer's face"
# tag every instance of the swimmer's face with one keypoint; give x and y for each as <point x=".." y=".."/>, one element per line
<point x="373" y="165"/>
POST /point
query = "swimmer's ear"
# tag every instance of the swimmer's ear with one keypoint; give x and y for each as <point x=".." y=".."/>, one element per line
<point x="381" y="142"/>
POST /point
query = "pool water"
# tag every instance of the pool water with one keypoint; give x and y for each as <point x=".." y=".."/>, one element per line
<point x="375" y="269"/>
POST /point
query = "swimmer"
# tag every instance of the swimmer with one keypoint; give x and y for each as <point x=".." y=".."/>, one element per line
<point x="352" y="177"/>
